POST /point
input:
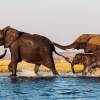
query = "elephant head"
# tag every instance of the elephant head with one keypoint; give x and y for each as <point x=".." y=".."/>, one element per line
<point x="88" y="42"/>
<point x="84" y="58"/>
<point x="79" y="58"/>
<point x="7" y="36"/>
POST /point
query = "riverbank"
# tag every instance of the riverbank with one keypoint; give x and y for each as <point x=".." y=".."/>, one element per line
<point x="60" y="66"/>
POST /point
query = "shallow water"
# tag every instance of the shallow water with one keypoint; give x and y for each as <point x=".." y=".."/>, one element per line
<point x="47" y="87"/>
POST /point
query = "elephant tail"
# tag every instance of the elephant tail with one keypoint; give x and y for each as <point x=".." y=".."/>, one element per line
<point x="66" y="58"/>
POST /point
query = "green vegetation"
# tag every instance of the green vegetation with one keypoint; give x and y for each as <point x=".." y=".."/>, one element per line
<point x="60" y="66"/>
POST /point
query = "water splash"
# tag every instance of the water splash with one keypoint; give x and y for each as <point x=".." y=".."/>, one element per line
<point x="95" y="73"/>
<point x="28" y="73"/>
<point x="31" y="73"/>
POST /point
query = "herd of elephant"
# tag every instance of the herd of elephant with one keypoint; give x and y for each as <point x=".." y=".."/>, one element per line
<point x="37" y="49"/>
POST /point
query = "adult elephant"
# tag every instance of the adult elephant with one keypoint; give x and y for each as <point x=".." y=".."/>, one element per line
<point x="88" y="42"/>
<point x="30" y="48"/>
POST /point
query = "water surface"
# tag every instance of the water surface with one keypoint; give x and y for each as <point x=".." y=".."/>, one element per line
<point x="47" y="87"/>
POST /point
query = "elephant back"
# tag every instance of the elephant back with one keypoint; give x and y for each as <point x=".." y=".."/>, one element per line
<point x="89" y="38"/>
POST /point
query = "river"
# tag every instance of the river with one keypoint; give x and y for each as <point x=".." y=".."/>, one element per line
<point x="47" y="87"/>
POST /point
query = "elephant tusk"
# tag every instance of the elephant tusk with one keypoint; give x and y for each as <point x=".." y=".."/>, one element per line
<point x="70" y="49"/>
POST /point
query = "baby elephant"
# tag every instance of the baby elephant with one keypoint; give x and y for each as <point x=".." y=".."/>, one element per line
<point x="84" y="58"/>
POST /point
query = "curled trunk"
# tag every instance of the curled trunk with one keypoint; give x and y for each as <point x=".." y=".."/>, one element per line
<point x="1" y="56"/>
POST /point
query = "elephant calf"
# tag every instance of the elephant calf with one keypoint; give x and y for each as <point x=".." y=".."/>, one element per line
<point x="84" y="58"/>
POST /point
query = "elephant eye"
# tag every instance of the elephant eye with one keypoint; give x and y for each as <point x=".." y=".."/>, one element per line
<point x="78" y="58"/>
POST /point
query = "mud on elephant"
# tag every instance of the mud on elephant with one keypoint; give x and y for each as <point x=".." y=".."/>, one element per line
<point x="30" y="48"/>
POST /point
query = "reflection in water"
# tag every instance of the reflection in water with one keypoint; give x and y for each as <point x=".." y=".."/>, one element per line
<point x="47" y="87"/>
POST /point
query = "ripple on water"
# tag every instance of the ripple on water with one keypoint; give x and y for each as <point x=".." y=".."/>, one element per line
<point x="47" y="87"/>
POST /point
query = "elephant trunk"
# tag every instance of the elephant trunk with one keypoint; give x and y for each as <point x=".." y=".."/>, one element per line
<point x="72" y="46"/>
<point x="72" y="66"/>
<point x="1" y="56"/>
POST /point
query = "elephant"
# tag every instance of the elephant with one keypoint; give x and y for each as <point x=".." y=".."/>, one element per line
<point x="84" y="58"/>
<point x="32" y="48"/>
<point x="97" y="62"/>
<point x="88" y="42"/>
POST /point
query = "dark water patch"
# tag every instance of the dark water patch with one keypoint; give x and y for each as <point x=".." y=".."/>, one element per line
<point x="68" y="93"/>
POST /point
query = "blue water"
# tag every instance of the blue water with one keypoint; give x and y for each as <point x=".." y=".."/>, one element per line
<point x="49" y="88"/>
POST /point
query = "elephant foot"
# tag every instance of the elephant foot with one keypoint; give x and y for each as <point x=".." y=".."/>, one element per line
<point x="37" y="74"/>
<point x="74" y="75"/>
<point x="84" y="74"/>
<point x="12" y="76"/>
<point x="57" y="75"/>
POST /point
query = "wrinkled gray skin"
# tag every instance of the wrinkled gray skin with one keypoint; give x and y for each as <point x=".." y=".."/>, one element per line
<point x="83" y="58"/>
<point x="34" y="49"/>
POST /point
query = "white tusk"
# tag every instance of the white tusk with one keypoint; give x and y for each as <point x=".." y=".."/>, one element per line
<point x="70" y="49"/>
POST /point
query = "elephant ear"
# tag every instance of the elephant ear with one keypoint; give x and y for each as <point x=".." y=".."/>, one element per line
<point x="11" y="35"/>
<point x="6" y="28"/>
<point x="95" y="40"/>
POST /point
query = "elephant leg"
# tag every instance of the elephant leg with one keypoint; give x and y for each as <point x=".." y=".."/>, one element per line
<point x="72" y="67"/>
<point x="89" y="68"/>
<point x="55" y="73"/>
<point x="83" y="72"/>
<point x="92" y="66"/>
<point x="36" y="69"/>
<point x="14" y="69"/>
<point x="51" y="66"/>
<point x="53" y="69"/>
<point x="10" y="67"/>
